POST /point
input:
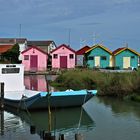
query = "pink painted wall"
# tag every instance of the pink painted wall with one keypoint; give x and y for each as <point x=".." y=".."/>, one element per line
<point x="63" y="51"/>
<point x="42" y="59"/>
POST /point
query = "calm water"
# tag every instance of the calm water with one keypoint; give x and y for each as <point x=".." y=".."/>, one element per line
<point x="102" y="119"/>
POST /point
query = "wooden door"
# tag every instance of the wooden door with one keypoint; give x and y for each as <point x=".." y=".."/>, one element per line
<point x="33" y="62"/>
<point x="63" y="61"/>
<point x="126" y="62"/>
<point x="97" y="61"/>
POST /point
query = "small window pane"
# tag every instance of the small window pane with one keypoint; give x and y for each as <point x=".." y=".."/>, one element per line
<point x="91" y="58"/>
<point x="132" y="57"/>
<point x="71" y="56"/>
<point x="26" y="57"/>
<point x="103" y="57"/>
<point x="10" y="70"/>
<point x="55" y="56"/>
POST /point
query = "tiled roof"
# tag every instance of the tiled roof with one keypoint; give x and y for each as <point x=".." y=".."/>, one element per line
<point x="12" y="40"/>
<point x="118" y="50"/>
<point x="5" y="48"/>
<point x="39" y="43"/>
<point x="82" y="50"/>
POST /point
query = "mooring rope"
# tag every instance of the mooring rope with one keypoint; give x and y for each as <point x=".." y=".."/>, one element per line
<point x="81" y="113"/>
<point x="23" y="99"/>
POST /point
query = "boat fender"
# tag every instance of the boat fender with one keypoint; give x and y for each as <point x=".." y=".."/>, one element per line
<point x="69" y="90"/>
<point x="24" y="96"/>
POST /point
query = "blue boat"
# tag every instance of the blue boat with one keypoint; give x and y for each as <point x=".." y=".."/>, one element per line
<point x="18" y="97"/>
<point x="41" y="100"/>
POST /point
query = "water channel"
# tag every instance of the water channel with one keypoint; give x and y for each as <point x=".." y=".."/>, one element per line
<point x="102" y="119"/>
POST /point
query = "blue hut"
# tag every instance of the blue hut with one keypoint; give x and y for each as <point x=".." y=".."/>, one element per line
<point x="125" y="58"/>
<point x="98" y="56"/>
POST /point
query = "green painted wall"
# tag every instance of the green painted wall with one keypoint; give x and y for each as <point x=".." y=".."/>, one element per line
<point x="126" y="53"/>
<point x="98" y="52"/>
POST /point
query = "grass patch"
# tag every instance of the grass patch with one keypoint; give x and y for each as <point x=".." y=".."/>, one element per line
<point x="112" y="84"/>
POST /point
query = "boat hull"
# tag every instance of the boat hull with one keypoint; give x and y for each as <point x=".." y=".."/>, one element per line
<point x="42" y="102"/>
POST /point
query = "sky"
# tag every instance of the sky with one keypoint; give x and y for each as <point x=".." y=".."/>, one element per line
<point x="112" y="23"/>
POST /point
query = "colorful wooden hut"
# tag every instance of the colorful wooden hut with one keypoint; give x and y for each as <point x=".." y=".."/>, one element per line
<point x="125" y="58"/>
<point x="98" y="56"/>
<point x="63" y="57"/>
<point x="80" y="60"/>
<point x="34" y="59"/>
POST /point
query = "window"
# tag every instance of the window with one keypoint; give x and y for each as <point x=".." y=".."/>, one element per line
<point x="10" y="70"/>
<point x="26" y="57"/>
<point x="71" y="56"/>
<point x="132" y="57"/>
<point x="103" y="57"/>
<point x="91" y="58"/>
<point x="55" y="56"/>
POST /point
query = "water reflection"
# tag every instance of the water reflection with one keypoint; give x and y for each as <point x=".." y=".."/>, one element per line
<point x="116" y="119"/>
<point x="2" y="122"/>
<point x="119" y="106"/>
<point x="38" y="82"/>
<point x="64" y="121"/>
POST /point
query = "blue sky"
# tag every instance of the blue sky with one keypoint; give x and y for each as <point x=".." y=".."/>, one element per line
<point x="112" y="23"/>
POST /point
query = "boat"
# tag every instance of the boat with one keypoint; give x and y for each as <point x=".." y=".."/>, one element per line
<point x="15" y="94"/>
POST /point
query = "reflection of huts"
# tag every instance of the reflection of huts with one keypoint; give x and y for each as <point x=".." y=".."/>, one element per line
<point x="98" y="56"/>
<point x="80" y="61"/>
<point x="63" y="57"/>
<point x="125" y="58"/>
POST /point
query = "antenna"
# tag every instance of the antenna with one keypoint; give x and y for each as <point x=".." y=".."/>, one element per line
<point x="94" y="38"/>
<point x="69" y="33"/>
<point x="126" y="45"/>
<point x="82" y="42"/>
<point x="19" y="30"/>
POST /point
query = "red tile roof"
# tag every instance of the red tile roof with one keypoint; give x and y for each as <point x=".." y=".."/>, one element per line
<point x="82" y="50"/>
<point x="118" y="50"/>
<point x="5" y="48"/>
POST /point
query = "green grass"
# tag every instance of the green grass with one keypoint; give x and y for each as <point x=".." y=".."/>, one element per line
<point x="112" y="84"/>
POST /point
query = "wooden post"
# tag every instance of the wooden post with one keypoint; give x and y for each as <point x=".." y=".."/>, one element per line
<point x="79" y="137"/>
<point x="1" y="95"/>
<point x="48" y="136"/>
<point x="61" y="137"/>
<point x="49" y="109"/>
<point x="2" y="122"/>
<point x="32" y="129"/>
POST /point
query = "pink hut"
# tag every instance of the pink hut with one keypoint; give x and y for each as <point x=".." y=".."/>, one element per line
<point x="34" y="59"/>
<point x="63" y="57"/>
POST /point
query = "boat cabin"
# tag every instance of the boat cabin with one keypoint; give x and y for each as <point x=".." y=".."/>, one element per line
<point x="13" y="77"/>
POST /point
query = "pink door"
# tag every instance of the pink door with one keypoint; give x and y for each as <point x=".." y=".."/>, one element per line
<point x="63" y="61"/>
<point x="33" y="62"/>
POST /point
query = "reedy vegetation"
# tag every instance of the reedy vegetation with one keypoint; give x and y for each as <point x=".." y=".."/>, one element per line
<point x="112" y="84"/>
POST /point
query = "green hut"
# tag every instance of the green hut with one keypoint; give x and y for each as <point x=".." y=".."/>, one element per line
<point x="98" y="56"/>
<point x="125" y="58"/>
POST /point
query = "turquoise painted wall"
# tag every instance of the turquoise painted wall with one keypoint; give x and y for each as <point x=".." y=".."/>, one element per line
<point x="126" y="53"/>
<point x="98" y="52"/>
